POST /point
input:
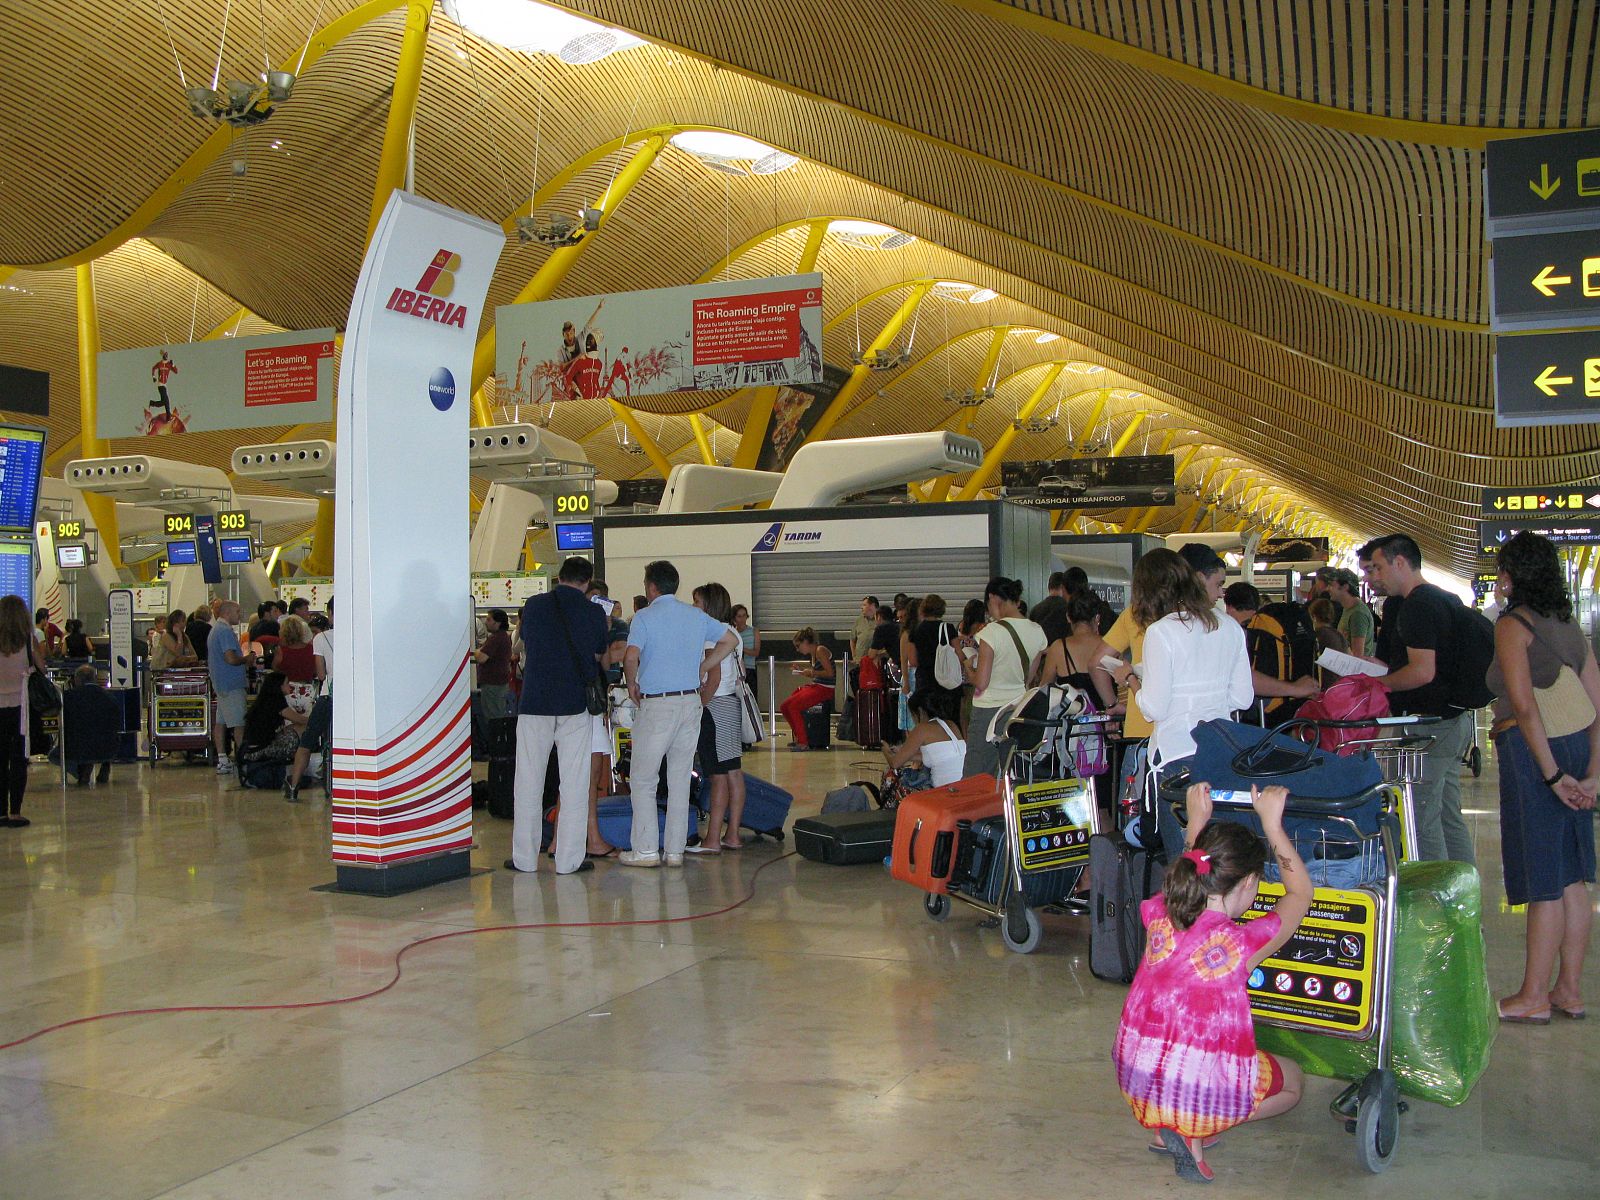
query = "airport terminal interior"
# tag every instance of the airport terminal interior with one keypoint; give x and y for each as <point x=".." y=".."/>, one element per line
<point x="412" y="302"/>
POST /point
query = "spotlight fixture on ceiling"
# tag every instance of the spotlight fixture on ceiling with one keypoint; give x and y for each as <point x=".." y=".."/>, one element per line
<point x="1036" y="424"/>
<point x="889" y="359"/>
<point x="240" y="102"/>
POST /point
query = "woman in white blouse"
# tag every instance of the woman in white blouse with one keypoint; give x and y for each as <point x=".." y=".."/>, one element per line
<point x="1195" y="667"/>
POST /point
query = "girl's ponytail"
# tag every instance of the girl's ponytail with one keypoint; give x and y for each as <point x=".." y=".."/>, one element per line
<point x="1225" y="854"/>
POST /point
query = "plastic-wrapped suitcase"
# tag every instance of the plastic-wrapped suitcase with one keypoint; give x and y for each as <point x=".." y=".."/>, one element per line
<point x="1121" y="877"/>
<point x="766" y="807"/>
<point x="843" y="839"/>
<point x="984" y="862"/>
<point x="614" y="815"/>
<point x="926" y="836"/>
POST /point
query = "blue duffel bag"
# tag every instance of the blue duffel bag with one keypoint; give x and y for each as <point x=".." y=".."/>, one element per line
<point x="1234" y="757"/>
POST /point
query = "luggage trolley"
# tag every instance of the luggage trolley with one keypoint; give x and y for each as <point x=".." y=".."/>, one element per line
<point x="1332" y="979"/>
<point x="1033" y="855"/>
<point x="1399" y="755"/>
<point x="180" y="711"/>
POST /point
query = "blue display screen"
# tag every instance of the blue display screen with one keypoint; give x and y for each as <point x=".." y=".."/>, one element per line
<point x="21" y="464"/>
<point x="182" y="554"/>
<point x="237" y="550"/>
<point x="575" y="537"/>
<point x="16" y="571"/>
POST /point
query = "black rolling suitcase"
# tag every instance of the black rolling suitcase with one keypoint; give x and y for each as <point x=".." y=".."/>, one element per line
<point x="843" y="839"/>
<point x="984" y="862"/>
<point x="1121" y="878"/>
<point x="819" y="727"/>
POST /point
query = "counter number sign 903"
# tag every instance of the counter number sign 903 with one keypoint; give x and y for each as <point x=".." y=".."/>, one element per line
<point x="233" y="522"/>
<point x="573" y="505"/>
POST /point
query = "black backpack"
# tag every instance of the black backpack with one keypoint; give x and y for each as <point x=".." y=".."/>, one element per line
<point x="1471" y="655"/>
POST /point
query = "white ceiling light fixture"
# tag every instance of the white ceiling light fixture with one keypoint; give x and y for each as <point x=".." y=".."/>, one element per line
<point x="982" y="296"/>
<point x="1044" y="339"/>
<point x="533" y="28"/>
<point x="733" y="153"/>
<point x="869" y="235"/>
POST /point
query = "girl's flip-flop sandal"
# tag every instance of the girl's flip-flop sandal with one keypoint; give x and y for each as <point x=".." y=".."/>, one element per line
<point x="1183" y="1162"/>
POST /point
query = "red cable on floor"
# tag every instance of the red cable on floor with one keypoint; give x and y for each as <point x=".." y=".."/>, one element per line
<point x="749" y="895"/>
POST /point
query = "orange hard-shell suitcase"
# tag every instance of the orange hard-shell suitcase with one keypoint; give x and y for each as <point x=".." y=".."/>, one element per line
<point x="926" y="838"/>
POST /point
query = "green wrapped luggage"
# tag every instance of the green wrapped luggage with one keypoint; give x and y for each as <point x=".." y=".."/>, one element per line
<point x="1442" y="1010"/>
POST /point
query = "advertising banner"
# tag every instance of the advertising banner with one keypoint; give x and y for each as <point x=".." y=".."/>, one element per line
<point x="705" y="337"/>
<point x="1140" y="481"/>
<point x="1288" y="550"/>
<point x="795" y="413"/>
<point x="402" y="752"/>
<point x="231" y="383"/>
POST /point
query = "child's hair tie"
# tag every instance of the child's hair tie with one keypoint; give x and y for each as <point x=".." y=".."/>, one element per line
<point x="1201" y="861"/>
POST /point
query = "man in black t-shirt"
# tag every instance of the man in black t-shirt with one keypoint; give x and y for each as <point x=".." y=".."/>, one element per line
<point x="886" y="639"/>
<point x="1050" y="614"/>
<point x="1420" y="651"/>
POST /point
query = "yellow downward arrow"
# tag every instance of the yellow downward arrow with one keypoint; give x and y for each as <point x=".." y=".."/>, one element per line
<point x="1547" y="282"/>
<point x="1545" y="188"/>
<point x="1547" y="382"/>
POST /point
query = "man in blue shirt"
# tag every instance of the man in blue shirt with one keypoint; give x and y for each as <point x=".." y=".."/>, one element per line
<point x="563" y="637"/>
<point x="666" y="668"/>
<point x="228" y="680"/>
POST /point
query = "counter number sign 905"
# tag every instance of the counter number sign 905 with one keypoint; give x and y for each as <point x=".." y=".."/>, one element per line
<point x="574" y="505"/>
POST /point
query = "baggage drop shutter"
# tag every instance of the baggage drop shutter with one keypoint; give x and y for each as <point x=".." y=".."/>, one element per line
<point x="791" y="591"/>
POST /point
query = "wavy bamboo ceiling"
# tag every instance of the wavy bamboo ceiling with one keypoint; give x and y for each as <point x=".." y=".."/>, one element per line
<point x="1264" y="219"/>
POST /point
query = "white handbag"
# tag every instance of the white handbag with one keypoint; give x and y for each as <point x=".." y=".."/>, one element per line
<point x="947" y="662"/>
<point x="750" y="730"/>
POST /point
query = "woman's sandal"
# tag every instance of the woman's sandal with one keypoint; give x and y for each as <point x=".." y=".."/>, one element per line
<point x="1571" y="1014"/>
<point x="1183" y="1161"/>
<point x="609" y="852"/>
<point x="1536" y="1016"/>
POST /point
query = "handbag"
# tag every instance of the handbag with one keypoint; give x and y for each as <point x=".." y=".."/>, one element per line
<point x="869" y="675"/>
<point x="750" y="731"/>
<point x="44" y="697"/>
<point x="947" y="662"/>
<point x="596" y="697"/>
<point x="1564" y="706"/>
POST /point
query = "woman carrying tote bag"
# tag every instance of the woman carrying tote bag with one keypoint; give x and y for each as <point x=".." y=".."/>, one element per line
<point x="1547" y="737"/>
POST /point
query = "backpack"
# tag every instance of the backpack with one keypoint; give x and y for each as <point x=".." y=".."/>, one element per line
<point x="1471" y="655"/>
<point x="1298" y="634"/>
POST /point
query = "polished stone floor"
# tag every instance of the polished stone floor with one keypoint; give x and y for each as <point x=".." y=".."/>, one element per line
<point x="825" y="1040"/>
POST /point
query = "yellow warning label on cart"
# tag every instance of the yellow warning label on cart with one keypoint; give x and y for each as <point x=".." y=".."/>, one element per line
<point x="1323" y="978"/>
<point x="1056" y="818"/>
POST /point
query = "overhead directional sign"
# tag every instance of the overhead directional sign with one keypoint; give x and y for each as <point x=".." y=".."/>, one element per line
<point x="1543" y="184"/>
<point x="1494" y="534"/>
<point x="1547" y="378"/>
<point x="1530" y="504"/>
<point x="1545" y="280"/>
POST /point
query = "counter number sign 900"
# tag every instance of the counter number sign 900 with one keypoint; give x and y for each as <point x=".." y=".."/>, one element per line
<point x="180" y="525"/>
<point x="574" y="505"/>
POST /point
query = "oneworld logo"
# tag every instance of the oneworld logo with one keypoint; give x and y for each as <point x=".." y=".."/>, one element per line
<point x="775" y="535"/>
<point x="428" y="301"/>
<point x="442" y="389"/>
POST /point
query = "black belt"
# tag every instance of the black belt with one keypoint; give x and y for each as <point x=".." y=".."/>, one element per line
<point x="661" y="695"/>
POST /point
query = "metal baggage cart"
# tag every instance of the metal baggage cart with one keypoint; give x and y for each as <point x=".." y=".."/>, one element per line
<point x="1399" y="751"/>
<point x="181" y="711"/>
<point x="1333" y="978"/>
<point x="1048" y="824"/>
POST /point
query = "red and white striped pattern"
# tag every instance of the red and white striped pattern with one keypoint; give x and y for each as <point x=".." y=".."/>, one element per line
<point x="409" y="794"/>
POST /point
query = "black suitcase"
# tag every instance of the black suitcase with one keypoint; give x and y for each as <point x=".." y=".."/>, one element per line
<point x="501" y="800"/>
<point x="984" y="861"/>
<point x="1121" y="878"/>
<point x="819" y="727"/>
<point x="842" y="839"/>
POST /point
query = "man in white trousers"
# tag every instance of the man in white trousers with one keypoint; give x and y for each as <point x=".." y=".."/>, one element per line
<point x="665" y="667"/>
<point x="563" y="637"/>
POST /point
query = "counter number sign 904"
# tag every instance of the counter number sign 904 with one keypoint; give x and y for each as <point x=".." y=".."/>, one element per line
<point x="574" y="505"/>
<point x="180" y="524"/>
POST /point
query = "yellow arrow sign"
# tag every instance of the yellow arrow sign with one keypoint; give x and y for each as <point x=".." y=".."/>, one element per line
<point x="1547" y="282"/>
<point x="1545" y="188"/>
<point x="1547" y="382"/>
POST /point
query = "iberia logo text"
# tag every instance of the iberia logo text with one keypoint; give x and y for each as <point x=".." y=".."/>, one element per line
<point x="430" y="301"/>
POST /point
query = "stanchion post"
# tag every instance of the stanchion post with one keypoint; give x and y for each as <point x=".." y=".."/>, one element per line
<point x="772" y="695"/>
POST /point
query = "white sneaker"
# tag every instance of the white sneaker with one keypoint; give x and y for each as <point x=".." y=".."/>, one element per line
<point x="674" y="860"/>
<point x="224" y="765"/>
<point x="631" y="858"/>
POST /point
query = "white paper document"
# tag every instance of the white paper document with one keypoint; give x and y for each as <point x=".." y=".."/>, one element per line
<point x="1348" y="664"/>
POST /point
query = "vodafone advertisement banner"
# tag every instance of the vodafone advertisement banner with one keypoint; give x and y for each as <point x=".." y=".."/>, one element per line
<point x="402" y="734"/>
<point x="231" y="383"/>
<point x="706" y="337"/>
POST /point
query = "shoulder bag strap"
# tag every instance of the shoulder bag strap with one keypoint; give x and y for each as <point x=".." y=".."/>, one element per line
<point x="1543" y="641"/>
<point x="1017" y="642"/>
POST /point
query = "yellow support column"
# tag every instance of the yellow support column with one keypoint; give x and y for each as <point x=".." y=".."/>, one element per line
<point x="969" y="413"/>
<point x="392" y="163"/>
<point x="653" y="451"/>
<point x="841" y="401"/>
<point x="560" y="262"/>
<point x="103" y="509"/>
<point x="997" y="452"/>
<point x="759" y="415"/>
<point x="707" y="455"/>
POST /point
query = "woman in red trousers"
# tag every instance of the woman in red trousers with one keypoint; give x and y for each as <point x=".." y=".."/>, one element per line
<point x="819" y="669"/>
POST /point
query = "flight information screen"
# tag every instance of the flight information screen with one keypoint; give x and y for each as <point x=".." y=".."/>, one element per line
<point x="21" y="465"/>
<point x="182" y="554"/>
<point x="237" y="550"/>
<point x="16" y="571"/>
